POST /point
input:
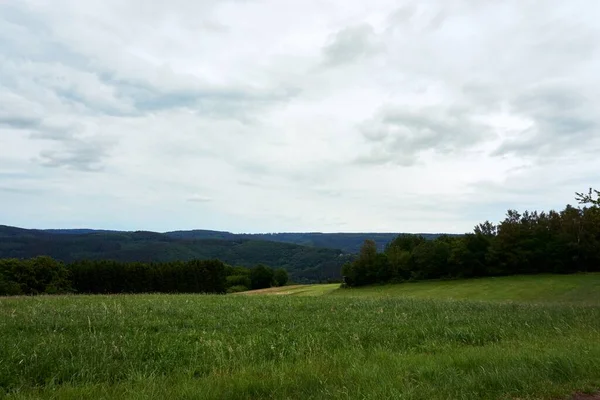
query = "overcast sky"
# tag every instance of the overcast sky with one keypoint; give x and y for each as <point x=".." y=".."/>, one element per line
<point x="307" y="115"/>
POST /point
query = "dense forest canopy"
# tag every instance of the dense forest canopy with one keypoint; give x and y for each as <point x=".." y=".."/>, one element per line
<point x="564" y="241"/>
<point x="346" y="242"/>
<point x="44" y="275"/>
<point x="304" y="264"/>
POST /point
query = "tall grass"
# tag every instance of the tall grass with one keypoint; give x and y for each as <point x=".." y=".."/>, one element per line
<point x="228" y="347"/>
<point x="574" y="288"/>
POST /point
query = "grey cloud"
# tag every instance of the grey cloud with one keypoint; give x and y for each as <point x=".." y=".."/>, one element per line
<point x="188" y="92"/>
<point x="421" y="17"/>
<point x="399" y="136"/>
<point x="72" y="148"/>
<point x="563" y="119"/>
<point x="58" y="131"/>
<point x="19" y="190"/>
<point x="350" y="44"/>
<point x="74" y="151"/>
<point x="19" y="122"/>
<point x="250" y="183"/>
<point x="199" y="199"/>
<point x="328" y="192"/>
<point x="41" y="63"/>
<point x="18" y="113"/>
<point x="77" y="155"/>
<point x="26" y="37"/>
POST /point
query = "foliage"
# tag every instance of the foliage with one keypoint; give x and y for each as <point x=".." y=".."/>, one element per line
<point x="45" y="275"/>
<point x="104" y="276"/>
<point x="588" y="198"/>
<point x="280" y="277"/>
<point x="529" y="243"/>
<point x="261" y="277"/>
<point x="346" y="242"/>
<point x="304" y="264"/>
<point x="239" y="280"/>
<point x="40" y="275"/>
<point x="237" y="289"/>
<point x="278" y="347"/>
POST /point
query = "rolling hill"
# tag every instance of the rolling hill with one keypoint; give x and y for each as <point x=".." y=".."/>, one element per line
<point x="304" y="263"/>
<point x="346" y="242"/>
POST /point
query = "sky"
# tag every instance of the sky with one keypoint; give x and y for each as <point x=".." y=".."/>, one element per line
<point x="281" y="115"/>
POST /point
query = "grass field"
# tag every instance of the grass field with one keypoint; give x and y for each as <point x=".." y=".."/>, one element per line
<point x="577" y="288"/>
<point x="406" y="342"/>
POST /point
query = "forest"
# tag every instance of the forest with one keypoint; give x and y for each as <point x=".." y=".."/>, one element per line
<point x="44" y="275"/>
<point x="566" y="241"/>
<point x="305" y="264"/>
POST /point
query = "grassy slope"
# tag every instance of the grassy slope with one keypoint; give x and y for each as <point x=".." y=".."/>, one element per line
<point x="366" y="343"/>
<point x="578" y="288"/>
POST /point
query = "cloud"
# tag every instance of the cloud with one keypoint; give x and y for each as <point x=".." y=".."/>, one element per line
<point x="75" y="154"/>
<point x="400" y="136"/>
<point x="294" y="116"/>
<point x="562" y="118"/>
<point x="17" y="190"/>
<point x="199" y="199"/>
<point x="350" y="44"/>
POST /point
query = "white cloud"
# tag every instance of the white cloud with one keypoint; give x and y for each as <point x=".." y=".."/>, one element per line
<point x="274" y="115"/>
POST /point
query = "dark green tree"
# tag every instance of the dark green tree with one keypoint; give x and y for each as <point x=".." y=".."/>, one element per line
<point x="261" y="277"/>
<point x="588" y="198"/>
<point x="280" y="277"/>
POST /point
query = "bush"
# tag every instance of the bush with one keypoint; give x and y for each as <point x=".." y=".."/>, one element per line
<point x="35" y="276"/>
<point x="237" y="289"/>
<point x="261" y="277"/>
<point x="238" y="280"/>
<point x="280" y="277"/>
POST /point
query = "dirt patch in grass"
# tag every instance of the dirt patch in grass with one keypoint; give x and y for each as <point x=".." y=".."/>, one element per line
<point x="273" y="290"/>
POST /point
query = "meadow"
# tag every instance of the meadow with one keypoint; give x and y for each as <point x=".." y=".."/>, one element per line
<point x="539" y="339"/>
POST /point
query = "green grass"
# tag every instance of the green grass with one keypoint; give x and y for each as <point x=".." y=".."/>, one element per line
<point x="369" y="343"/>
<point x="577" y="288"/>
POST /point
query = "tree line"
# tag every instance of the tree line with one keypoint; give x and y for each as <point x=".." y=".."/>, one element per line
<point x="45" y="275"/>
<point x="304" y="264"/>
<point x="566" y="241"/>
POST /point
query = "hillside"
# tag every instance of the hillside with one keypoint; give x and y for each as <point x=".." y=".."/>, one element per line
<point x="305" y="264"/>
<point x="157" y="346"/>
<point x="545" y="288"/>
<point x="346" y="242"/>
<point x="575" y="288"/>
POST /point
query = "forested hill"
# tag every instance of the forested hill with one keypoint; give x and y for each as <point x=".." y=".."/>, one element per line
<point x="305" y="264"/>
<point x="346" y="242"/>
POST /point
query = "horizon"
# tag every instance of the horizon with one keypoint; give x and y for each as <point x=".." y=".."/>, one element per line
<point x="235" y="233"/>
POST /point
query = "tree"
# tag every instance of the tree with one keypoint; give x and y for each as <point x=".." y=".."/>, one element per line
<point x="280" y="277"/>
<point x="588" y="198"/>
<point x="34" y="276"/>
<point x="365" y="269"/>
<point x="261" y="277"/>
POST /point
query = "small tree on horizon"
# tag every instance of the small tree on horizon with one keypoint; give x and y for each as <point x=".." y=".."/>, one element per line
<point x="588" y="198"/>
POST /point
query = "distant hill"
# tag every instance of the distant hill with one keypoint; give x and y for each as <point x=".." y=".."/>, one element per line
<point x="305" y="264"/>
<point x="308" y="257"/>
<point x="346" y="242"/>
<point x="76" y="231"/>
